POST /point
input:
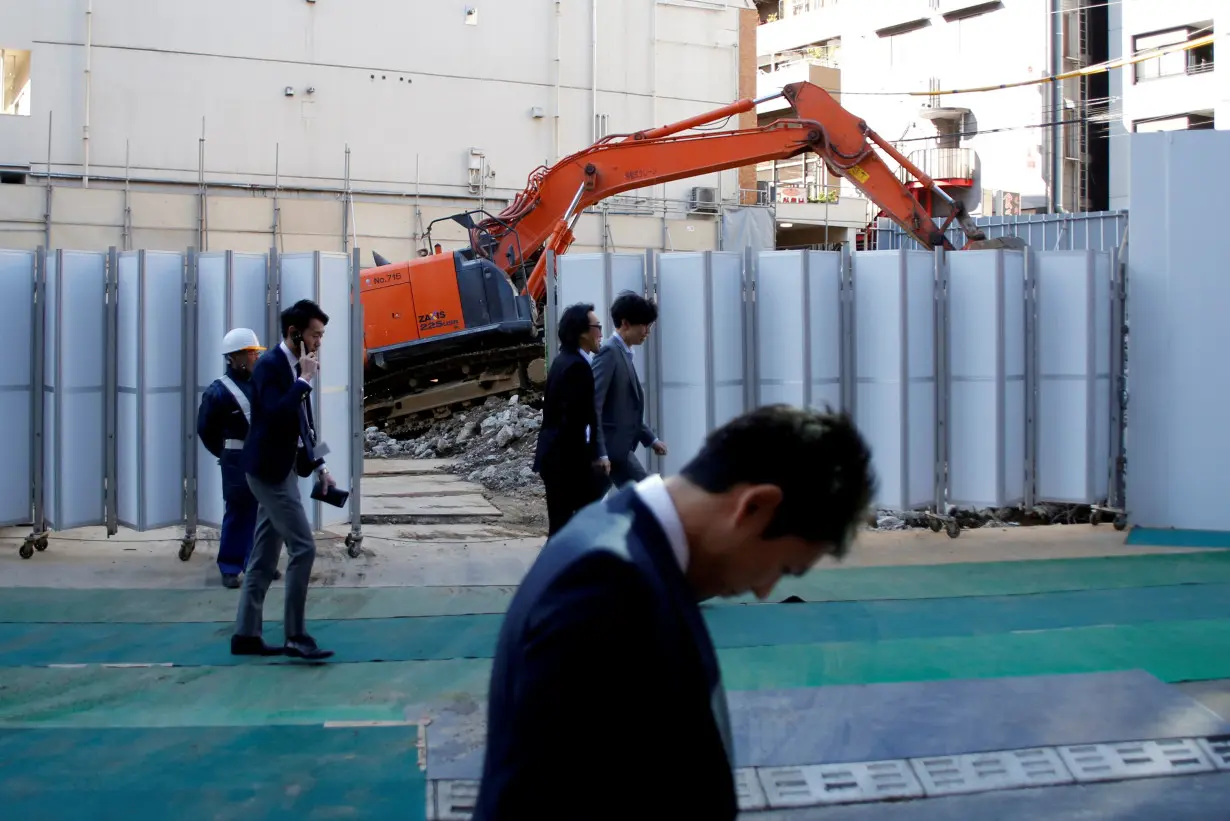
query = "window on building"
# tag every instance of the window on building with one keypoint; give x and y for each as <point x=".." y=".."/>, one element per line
<point x="15" y="82"/>
<point x="1194" y="121"/>
<point x="1181" y="61"/>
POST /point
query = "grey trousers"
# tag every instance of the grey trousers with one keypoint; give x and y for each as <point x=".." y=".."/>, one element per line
<point x="279" y="518"/>
<point x="628" y="469"/>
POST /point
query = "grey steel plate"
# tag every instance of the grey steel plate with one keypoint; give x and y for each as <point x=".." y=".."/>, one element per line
<point x="1134" y="759"/>
<point x="839" y="783"/>
<point x="1013" y="769"/>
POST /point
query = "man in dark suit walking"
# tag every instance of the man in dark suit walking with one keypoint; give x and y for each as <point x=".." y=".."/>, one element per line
<point x="279" y="449"/>
<point x="606" y="699"/>
<point x="566" y="455"/>
<point x="618" y="396"/>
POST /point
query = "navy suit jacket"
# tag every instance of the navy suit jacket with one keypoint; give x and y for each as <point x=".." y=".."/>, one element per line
<point x="606" y="699"/>
<point x="280" y="418"/>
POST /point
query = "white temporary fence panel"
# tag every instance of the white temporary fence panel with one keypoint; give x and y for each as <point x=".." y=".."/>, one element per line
<point x="327" y="279"/>
<point x="1178" y="437"/>
<point x="1073" y="290"/>
<point x="597" y="279"/>
<point x="75" y="372"/>
<point x="986" y="378"/>
<point x="799" y="329"/>
<point x="895" y="400"/>
<point x="232" y="292"/>
<point x="17" y="443"/>
<point x="150" y="390"/>
<point x="702" y="342"/>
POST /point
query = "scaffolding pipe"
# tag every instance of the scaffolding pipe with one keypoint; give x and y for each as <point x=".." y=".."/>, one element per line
<point x="127" y="195"/>
<point x="594" y="68"/>
<point x="201" y="201"/>
<point x="47" y="199"/>
<point x="277" y="185"/>
<point x="1056" y="17"/>
<point x="85" y="130"/>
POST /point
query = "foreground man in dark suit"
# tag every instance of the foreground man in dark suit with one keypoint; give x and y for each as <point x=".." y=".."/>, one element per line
<point x="566" y="455"/>
<point x="278" y="451"/>
<point x="606" y="700"/>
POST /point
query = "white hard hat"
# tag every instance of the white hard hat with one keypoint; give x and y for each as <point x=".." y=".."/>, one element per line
<point x="240" y="339"/>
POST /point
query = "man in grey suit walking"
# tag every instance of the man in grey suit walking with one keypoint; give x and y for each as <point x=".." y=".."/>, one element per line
<point x="618" y="397"/>
<point x="279" y="449"/>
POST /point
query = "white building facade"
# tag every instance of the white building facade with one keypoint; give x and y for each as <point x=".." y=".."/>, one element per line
<point x="987" y="148"/>
<point x="452" y="103"/>
<point x="1179" y="90"/>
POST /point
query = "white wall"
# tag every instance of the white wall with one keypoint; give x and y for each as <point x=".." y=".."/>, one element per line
<point x="396" y="80"/>
<point x="1006" y="45"/>
<point x="1177" y="436"/>
<point x="1162" y="96"/>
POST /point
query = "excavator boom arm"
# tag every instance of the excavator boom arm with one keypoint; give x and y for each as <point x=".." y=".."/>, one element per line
<point x="623" y="163"/>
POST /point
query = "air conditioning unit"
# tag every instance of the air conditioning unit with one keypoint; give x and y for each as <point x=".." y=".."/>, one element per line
<point x="704" y="200"/>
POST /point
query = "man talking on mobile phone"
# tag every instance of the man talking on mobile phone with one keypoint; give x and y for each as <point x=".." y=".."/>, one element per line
<point x="279" y="449"/>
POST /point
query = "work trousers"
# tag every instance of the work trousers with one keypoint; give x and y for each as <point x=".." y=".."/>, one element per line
<point x="280" y="519"/>
<point x="238" y="517"/>
<point x="623" y="470"/>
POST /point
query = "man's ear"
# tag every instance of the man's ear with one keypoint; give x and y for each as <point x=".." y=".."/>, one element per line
<point x="756" y="505"/>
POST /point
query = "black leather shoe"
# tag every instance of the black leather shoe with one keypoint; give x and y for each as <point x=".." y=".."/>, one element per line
<point x="277" y="574"/>
<point x="304" y="647"/>
<point x="252" y="646"/>
<point x="230" y="581"/>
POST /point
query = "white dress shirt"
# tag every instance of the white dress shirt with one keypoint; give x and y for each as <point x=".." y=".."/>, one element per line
<point x="652" y="491"/>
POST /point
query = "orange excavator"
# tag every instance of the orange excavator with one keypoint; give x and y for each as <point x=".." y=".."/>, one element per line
<point x="446" y="330"/>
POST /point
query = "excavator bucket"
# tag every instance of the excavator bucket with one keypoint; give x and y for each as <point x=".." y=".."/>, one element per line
<point x="1005" y="243"/>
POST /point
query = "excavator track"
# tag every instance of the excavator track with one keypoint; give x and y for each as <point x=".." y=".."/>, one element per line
<point x="411" y="399"/>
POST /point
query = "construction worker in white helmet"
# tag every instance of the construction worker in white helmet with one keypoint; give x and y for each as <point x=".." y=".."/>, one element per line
<point x="222" y="425"/>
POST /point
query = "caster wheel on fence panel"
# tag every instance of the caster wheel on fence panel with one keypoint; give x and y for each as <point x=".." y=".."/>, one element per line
<point x="185" y="549"/>
<point x="1095" y="518"/>
<point x="40" y="544"/>
<point x="354" y="546"/>
<point x="1120" y="523"/>
<point x="935" y="524"/>
<point x="953" y="528"/>
<point x="26" y="550"/>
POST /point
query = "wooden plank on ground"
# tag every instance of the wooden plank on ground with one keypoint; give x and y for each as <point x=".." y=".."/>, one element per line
<point x="470" y="504"/>
<point x="445" y="484"/>
<point x="396" y="467"/>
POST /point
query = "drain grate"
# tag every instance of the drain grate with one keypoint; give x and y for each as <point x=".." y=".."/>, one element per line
<point x="1218" y="751"/>
<point x="1134" y="759"/>
<point x="455" y="800"/>
<point x="950" y="775"/>
<point x="839" y="783"/>
<point x="748" y="790"/>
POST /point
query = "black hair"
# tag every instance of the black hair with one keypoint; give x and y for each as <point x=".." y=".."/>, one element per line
<point x="819" y="460"/>
<point x="634" y="308"/>
<point x="301" y="314"/>
<point x="573" y="324"/>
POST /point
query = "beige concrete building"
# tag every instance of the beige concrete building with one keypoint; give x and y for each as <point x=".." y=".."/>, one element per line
<point x="319" y="124"/>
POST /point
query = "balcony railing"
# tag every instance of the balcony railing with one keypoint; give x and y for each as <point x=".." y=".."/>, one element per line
<point x="942" y="164"/>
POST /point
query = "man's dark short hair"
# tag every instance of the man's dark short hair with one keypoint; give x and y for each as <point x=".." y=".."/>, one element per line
<point x="573" y="324"/>
<point x="819" y="460"/>
<point x="301" y="314"/>
<point x="634" y="308"/>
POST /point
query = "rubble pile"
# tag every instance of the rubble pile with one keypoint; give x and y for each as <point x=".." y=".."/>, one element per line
<point x="492" y="444"/>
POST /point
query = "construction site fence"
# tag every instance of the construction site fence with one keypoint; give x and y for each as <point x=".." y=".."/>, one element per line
<point x="110" y="354"/>
<point x="1093" y="230"/>
<point x="981" y="379"/>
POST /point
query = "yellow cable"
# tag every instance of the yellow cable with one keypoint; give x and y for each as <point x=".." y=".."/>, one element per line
<point x="1097" y="68"/>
